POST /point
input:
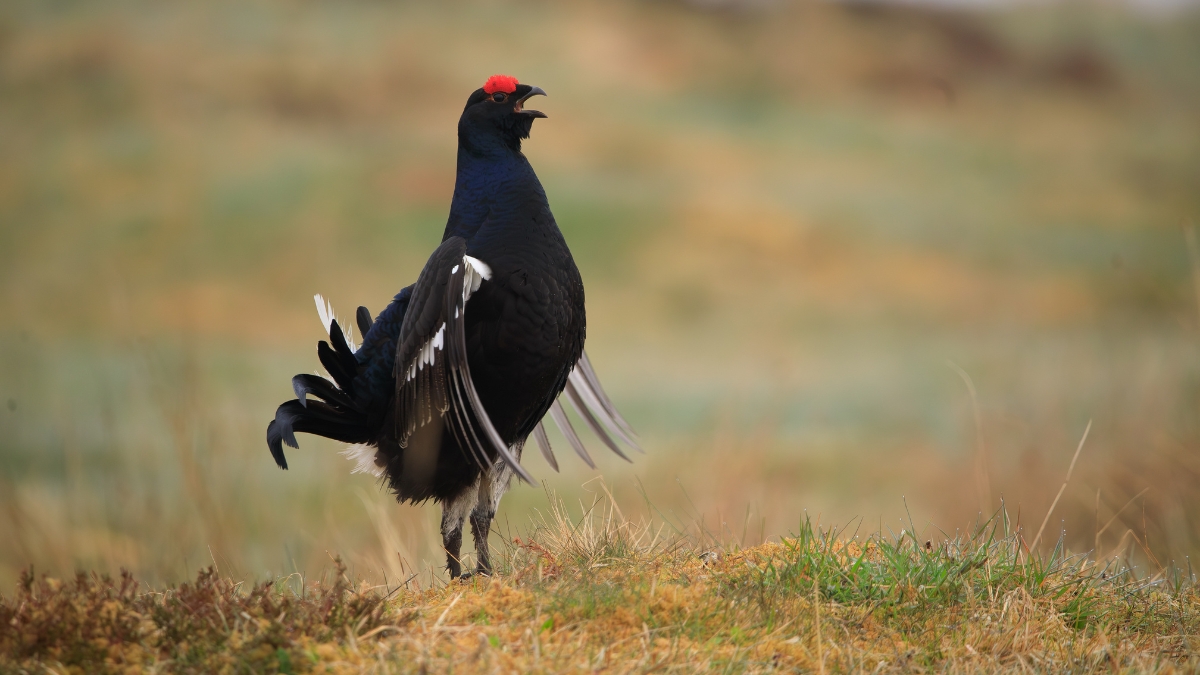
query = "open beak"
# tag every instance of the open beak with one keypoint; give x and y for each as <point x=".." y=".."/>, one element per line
<point x="518" y="107"/>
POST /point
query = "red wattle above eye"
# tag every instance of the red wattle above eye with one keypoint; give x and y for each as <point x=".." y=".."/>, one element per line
<point x="502" y="83"/>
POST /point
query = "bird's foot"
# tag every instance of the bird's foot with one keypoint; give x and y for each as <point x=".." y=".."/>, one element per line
<point x="467" y="576"/>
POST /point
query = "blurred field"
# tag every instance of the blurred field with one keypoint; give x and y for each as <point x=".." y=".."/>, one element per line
<point x="792" y="220"/>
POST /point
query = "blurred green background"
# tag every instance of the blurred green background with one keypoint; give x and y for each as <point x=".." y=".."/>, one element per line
<point x="808" y="232"/>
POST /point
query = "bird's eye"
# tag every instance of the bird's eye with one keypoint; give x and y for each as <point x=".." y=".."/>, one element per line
<point x="499" y="97"/>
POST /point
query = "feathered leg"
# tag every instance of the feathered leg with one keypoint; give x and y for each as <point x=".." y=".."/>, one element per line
<point x="453" y="515"/>
<point x="481" y="527"/>
<point x="492" y="486"/>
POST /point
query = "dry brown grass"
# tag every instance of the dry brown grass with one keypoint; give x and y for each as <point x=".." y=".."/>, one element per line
<point x="599" y="593"/>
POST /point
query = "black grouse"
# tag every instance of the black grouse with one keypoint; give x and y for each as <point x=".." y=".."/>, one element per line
<point x="459" y="370"/>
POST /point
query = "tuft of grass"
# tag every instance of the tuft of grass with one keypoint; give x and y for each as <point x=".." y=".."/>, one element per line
<point x="599" y="592"/>
<point x="97" y="624"/>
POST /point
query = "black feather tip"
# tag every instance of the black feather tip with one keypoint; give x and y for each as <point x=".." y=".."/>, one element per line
<point x="275" y="443"/>
<point x="363" y="317"/>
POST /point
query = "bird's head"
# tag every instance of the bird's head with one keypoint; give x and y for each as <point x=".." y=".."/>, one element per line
<point x="495" y="116"/>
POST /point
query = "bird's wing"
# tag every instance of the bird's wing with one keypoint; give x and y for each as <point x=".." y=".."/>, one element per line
<point x="587" y="397"/>
<point x="433" y="377"/>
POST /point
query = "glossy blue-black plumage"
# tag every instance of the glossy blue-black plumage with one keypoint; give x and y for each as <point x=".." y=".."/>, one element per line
<point x="377" y="354"/>
<point x="436" y="371"/>
<point x="486" y="184"/>
<point x="500" y="208"/>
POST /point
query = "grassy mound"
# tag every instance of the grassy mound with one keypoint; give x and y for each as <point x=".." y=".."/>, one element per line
<point x="602" y="593"/>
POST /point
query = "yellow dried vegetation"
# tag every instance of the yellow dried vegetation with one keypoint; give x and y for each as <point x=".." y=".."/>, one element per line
<point x="599" y="593"/>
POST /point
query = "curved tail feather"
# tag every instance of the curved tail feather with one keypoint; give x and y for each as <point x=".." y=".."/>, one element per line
<point x="339" y="359"/>
<point x="363" y="317"/>
<point x="334" y="413"/>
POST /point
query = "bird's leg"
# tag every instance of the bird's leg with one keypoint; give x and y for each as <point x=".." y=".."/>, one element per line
<point x="453" y="514"/>
<point x="481" y="526"/>
<point x="492" y="486"/>
<point x="481" y="523"/>
<point x="452" y="542"/>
